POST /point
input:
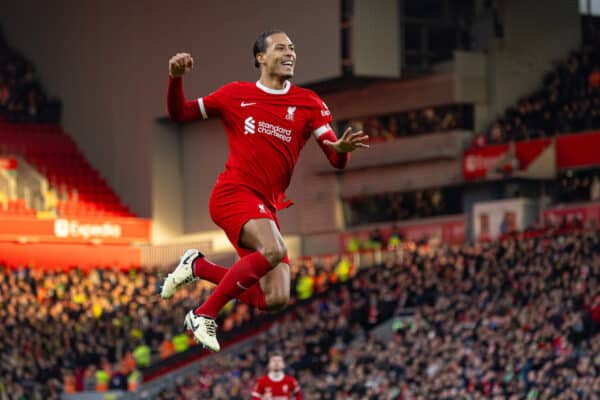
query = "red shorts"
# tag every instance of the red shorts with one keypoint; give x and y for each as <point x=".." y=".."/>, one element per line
<point x="231" y="206"/>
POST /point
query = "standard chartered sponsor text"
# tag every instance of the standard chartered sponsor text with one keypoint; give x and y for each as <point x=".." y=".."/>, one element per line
<point x="274" y="130"/>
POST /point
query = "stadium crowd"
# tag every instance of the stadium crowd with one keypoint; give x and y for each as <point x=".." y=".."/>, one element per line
<point x="427" y="120"/>
<point x="22" y="98"/>
<point x="569" y="187"/>
<point x="514" y="319"/>
<point x="568" y="101"/>
<point x="96" y="329"/>
<point x="400" y="206"/>
<point x="508" y="319"/>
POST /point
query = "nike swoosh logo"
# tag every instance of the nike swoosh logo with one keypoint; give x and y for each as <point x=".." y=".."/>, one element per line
<point x="194" y="326"/>
<point x="188" y="259"/>
<point x="247" y="104"/>
<point x="241" y="286"/>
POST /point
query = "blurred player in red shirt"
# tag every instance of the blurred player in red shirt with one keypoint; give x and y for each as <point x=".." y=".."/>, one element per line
<point x="267" y="122"/>
<point x="276" y="385"/>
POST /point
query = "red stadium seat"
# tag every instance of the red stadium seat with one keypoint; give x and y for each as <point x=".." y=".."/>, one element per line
<point x="48" y="149"/>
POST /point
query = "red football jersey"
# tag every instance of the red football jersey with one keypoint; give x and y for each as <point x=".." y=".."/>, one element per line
<point x="284" y="388"/>
<point x="266" y="129"/>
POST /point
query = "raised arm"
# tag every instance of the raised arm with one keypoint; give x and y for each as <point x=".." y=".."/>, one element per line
<point x="180" y="109"/>
<point x="338" y="150"/>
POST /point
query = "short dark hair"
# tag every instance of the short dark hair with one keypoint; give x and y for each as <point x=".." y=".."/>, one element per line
<point x="260" y="44"/>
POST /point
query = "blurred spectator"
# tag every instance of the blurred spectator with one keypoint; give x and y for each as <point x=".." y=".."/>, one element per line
<point x="167" y="349"/>
<point x="118" y="380"/>
<point x="376" y="240"/>
<point x="396" y="237"/>
<point x="595" y="189"/>
<point x="142" y="355"/>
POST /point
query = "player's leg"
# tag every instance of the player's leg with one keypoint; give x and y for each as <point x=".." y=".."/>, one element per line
<point x="275" y="285"/>
<point x="209" y="271"/>
<point x="193" y="266"/>
<point x="271" y="293"/>
<point x="262" y="236"/>
<point x="246" y="272"/>
<point x="187" y="270"/>
<point x="230" y="208"/>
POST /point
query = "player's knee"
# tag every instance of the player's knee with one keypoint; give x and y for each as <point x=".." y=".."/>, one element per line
<point x="277" y="301"/>
<point x="274" y="253"/>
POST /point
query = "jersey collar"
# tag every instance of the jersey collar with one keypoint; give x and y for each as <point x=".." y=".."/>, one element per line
<point x="276" y="377"/>
<point x="284" y="90"/>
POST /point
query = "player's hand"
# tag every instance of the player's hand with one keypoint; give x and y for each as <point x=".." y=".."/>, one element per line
<point x="180" y="64"/>
<point x="349" y="141"/>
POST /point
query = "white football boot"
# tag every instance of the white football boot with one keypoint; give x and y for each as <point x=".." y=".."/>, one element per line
<point x="182" y="275"/>
<point x="204" y="330"/>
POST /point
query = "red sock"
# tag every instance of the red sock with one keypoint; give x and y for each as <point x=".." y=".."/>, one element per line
<point x="245" y="273"/>
<point x="207" y="270"/>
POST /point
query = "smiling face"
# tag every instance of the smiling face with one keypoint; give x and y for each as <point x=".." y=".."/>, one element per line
<point x="279" y="57"/>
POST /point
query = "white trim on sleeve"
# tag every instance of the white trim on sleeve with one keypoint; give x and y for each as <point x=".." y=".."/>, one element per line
<point x="256" y="394"/>
<point x="202" y="108"/>
<point x="320" y="131"/>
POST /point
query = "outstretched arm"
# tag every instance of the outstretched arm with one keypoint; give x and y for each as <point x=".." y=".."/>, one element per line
<point x="180" y="109"/>
<point x="338" y="150"/>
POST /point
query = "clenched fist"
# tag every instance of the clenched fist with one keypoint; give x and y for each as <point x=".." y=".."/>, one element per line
<point x="180" y="64"/>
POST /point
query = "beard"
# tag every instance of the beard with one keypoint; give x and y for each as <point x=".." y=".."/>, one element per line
<point x="282" y="72"/>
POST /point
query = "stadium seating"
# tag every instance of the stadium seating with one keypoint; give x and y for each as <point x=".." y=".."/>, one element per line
<point x="54" y="154"/>
<point x="43" y="144"/>
<point x="568" y="101"/>
<point x="16" y="207"/>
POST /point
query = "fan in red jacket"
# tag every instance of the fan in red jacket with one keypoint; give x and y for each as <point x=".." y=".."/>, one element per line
<point x="276" y="385"/>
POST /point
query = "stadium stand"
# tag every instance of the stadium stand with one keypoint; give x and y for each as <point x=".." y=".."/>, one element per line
<point x="91" y="324"/>
<point x="122" y="306"/>
<point x="567" y="102"/>
<point x="29" y="128"/>
<point x="578" y="186"/>
<point x="427" y="120"/>
<point x="76" y="187"/>
<point x="44" y="313"/>
<point x="399" y="206"/>
<point x="22" y="98"/>
<point x="510" y="319"/>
